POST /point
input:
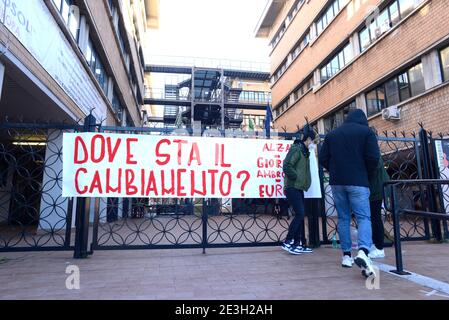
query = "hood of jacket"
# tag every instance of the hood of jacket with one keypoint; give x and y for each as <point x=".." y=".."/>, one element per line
<point x="357" y="116"/>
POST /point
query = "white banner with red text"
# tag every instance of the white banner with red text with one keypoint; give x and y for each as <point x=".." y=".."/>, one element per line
<point x="123" y="165"/>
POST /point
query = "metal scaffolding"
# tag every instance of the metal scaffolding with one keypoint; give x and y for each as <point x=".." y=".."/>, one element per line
<point x="206" y="95"/>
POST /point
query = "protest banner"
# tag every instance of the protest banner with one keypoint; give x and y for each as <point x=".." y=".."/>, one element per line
<point x="122" y="165"/>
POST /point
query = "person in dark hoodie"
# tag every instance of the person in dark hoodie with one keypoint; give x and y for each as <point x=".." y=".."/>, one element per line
<point x="351" y="154"/>
<point x="297" y="179"/>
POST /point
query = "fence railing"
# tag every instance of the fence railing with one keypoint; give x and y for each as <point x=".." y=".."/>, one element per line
<point x="430" y="209"/>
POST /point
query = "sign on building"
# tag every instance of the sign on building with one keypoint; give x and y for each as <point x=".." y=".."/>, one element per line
<point x="34" y="26"/>
<point x="121" y="165"/>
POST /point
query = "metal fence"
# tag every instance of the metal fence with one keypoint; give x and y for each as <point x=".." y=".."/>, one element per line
<point x="35" y="216"/>
<point x="403" y="160"/>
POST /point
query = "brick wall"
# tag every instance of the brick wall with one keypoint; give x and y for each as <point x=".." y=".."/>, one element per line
<point x="336" y="32"/>
<point x="414" y="35"/>
<point x="432" y="109"/>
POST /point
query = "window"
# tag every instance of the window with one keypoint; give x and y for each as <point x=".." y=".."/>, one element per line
<point x="337" y="118"/>
<point x="74" y="23"/>
<point x="332" y="10"/>
<point x="375" y="100"/>
<point x="406" y="7"/>
<point x="336" y="63"/>
<point x="392" y="92"/>
<point x="365" y="40"/>
<point x="417" y="80"/>
<point x="301" y="44"/>
<point x="302" y="90"/>
<point x="372" y="106"/>
<point x="347" y="52"/>
<point x="394" y="13"/>
<point x="404" y="86"/>
<point x="383" y="21"/>
<point x="58" y="4"/>
<point x="70" y="15"/>
<point x="387" y="18"/>
<point x="444" y="55"/>
<point x="381" y="98"/>
<point x="95" y="64"/>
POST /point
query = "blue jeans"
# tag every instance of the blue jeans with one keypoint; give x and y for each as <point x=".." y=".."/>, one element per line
<point x="353" y="199"/>
<point x="295" y="198"/>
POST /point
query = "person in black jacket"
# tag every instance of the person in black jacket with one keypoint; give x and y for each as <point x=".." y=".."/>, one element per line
<point x="351" y="153"/>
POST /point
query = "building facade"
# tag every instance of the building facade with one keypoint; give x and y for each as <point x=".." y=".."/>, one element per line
<point x="389" y="58"/>
<point x="63" y="59"/>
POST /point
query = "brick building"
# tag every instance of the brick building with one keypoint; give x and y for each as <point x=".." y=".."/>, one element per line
<point x="389" y="58"/>
<point x="59" y="59"/>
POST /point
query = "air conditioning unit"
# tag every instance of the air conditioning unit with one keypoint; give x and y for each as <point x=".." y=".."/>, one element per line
<point x="391" y="113"/>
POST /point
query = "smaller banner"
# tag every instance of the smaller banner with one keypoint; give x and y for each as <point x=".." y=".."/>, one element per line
<point x="442" y="151"/>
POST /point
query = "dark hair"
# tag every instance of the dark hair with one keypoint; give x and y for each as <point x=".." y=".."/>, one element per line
<point x="308" y="132"/>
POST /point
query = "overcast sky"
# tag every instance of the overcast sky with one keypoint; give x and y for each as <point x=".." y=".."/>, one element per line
<point x="222" y="29"/>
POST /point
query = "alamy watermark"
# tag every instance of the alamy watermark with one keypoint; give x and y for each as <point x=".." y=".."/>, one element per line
<point x="373" y="282"/>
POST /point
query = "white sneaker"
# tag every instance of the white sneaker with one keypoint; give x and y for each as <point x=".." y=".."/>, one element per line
<point x="347" y="262"/>
<point x="365" y="263"/>
<point x="376" y="254"/>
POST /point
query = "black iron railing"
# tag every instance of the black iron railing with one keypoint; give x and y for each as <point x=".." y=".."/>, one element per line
<point x="429" y="210"/>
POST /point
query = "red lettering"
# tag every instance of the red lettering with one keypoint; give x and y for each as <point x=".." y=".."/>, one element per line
<point x="80" y="191"/>
<point x="171" y="190"/>
<point x="223" y="164"/>
<point x="78" y="141"/>
<point x="280" y="147"/>
<point x="142" y="182"/>
<point x="279" y="190"/>
<point x="267" y="147"/>
<point x="269" y="190"/>
<point x="261" y="193"/>
<point x="166" y="156"/>
<point x="93" y="147"/>
<point x="112" y="152"/>
<point x="212" y="173"/>
<point x="109" y="188"/>
<point x="96" y="183"/>
<point x="180" y="188"/>
<point x="278" y="163"/>
<point x="193" y="190"/>
<point x="129" y="179"/>
<point x="194" y="155"/>
<point x="129" y="155"/>
<point x="217" y="154"/>
<point x="180" y="143"/>
<point x="151" y="187"/>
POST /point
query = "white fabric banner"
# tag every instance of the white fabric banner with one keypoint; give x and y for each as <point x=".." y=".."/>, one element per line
<point x="122" y="165"/>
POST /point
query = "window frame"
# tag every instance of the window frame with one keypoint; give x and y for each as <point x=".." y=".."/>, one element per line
<point x="440" y="56"/>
